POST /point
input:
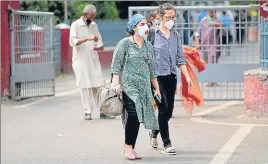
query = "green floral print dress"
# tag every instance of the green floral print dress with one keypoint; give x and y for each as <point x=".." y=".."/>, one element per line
<point x="136" y="67"/>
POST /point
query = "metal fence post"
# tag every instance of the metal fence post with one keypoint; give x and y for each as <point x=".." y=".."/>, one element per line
<point x="130" y="12"/>
<point x="264" y="34"/>
<point x="52" y="47"/>
<point x="12" y="56"/>
<point x="264" y="44"/>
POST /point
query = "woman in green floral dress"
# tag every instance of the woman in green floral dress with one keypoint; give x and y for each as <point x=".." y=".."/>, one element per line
<point x="133" y="70"/>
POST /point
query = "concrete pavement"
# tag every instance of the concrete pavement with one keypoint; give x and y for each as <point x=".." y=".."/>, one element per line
<point x="52" y="130"/>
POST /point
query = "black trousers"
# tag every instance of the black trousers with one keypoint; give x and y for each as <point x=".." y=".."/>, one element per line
<point x="167" y="85"/>
<point x="227" y="38"/>
<point x="132" y="124"/>
<point x="240" y="35"/>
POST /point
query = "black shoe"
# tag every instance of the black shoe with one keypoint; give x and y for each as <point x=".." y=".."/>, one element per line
<point x="88" y="117"/>
<point x="104" y="116"/>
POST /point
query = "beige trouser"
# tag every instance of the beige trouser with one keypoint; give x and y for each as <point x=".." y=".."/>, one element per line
<point x="89" y="99"/>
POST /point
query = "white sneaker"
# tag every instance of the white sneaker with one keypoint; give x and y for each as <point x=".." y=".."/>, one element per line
<point x="153" y="143"/>
<point x="169" y="150"/>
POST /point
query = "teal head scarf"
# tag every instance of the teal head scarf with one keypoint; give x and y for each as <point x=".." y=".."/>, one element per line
<point x="134" y="20"/>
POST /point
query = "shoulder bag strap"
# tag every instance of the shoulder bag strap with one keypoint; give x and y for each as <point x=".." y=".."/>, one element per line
<point x="126" y="55"/>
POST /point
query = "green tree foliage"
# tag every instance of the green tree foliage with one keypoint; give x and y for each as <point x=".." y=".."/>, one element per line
<point x="235" y="2"/>
<point x="105" y="9"/>
<point x="46" y="6"/>
<point x="34" y="5"/>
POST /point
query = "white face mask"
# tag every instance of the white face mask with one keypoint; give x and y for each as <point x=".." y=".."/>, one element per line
<point x="169" y="24"/>
<point x="143" y="31"/>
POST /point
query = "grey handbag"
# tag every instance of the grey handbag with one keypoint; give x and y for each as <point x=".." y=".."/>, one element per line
<point x="109" y="101"/>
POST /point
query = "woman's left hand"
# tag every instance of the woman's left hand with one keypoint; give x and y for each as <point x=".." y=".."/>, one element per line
<point x="157" y="93"/>
<point x="117" y="88"/>
<point x="189" y="82"/>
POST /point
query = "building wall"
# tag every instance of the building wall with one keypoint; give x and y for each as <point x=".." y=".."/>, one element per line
<point x="5" y="44"/>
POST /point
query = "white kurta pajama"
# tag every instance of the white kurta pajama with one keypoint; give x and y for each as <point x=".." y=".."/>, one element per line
<point x="85" y="62"/>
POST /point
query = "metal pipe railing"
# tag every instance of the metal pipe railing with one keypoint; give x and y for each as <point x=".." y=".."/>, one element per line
<point x="264" y="44"/>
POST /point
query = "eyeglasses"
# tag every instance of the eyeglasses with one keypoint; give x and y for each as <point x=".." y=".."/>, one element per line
<point x="170" y="17"/>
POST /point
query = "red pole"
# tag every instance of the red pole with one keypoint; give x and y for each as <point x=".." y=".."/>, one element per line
<point x="5" y="45"/>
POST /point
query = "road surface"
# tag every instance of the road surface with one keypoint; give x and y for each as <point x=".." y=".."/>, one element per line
<point x="53" y="131"/>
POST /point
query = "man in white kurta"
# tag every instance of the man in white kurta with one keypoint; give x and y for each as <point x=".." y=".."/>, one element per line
<point x="86" y="41"/>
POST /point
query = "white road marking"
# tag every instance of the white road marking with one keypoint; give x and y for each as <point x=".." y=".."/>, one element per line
<point x="61" y="94"/>
<point x="204" y="121"/>
<point x="220" y="107"/>
<point x="32" y="103"/>
<point x="67" y="93"/>
<point x="240" y="116"/>
<point x="228" y="149"/>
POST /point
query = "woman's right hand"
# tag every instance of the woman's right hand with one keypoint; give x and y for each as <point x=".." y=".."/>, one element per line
<point x="197" y="47"/>
<point x="117" y="88"/>
<point x="217" y="24"/>
<point x="197" y="44"/>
